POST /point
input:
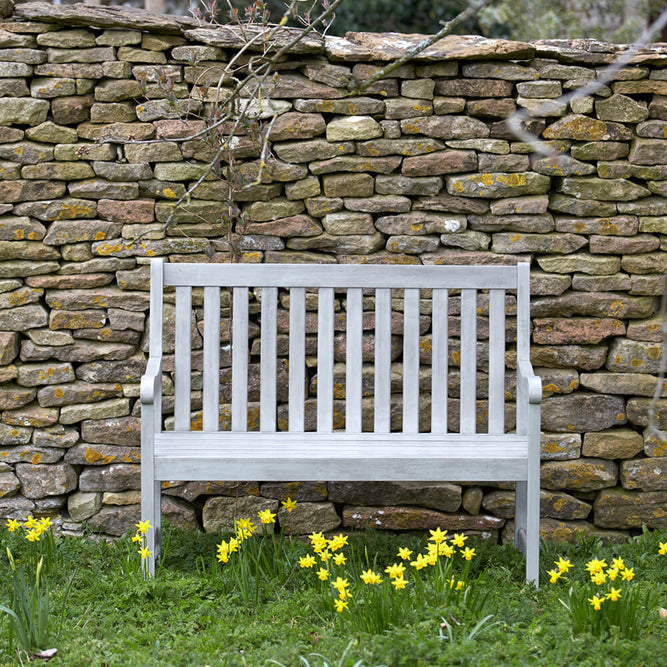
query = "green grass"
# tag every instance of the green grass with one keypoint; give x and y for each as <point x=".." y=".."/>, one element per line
<point x="108" y="618"/>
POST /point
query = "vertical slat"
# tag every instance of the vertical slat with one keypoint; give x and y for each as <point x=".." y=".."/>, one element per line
<point x="522" y="339"/>
<point x="297" y="358"/>
<point x="211" y="393"/>
<point x="325" y="330"/>
<point x="157" y="306"/>
<point x="240" y="359"/>
<point x="353" y="361"/>
<point x="440" y="332"/>
<point x="382" y="391"/>
<point x="411" y="361"/>
<point x="497" y="361"/>
<point x="268" y="360"/>
<point x="468" y="359"/>
<point x="182" y="358"/>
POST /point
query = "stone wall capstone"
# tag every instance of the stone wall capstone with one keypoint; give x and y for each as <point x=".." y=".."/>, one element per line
<point x="421" y="168"/>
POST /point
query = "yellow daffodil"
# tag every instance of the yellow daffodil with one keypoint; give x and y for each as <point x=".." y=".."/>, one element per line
<point x="396" y="570"/>
<point x="446" y="550"/>
<point x="39" y="528"/>
<point x="288" y="504"/>
<point x="143" y="526"/>
<point x="599" y="578"/>
<point x="618" y="563"/>
<point x="432" y="549"/>
<point x="340" y="584"/>
<point x="12" y="525"/>
<point x="595" y="565"/>
<point x="563" y="564"/>
<point x="322" y="574"/>
<point x="431" y="558"/>
<point x="596" y="602"/>
<point x="46" y="522"/>
<point x="307" y="561"/>
<point x="437" y="535"/>
<point x="144" y="552"/>
<point x="468" y="553"/>
<point x="663" y="548"/>
<point x="370" y="577"/>
<point x="344" y="594"/>
<point x="316" y="537"/>
<point x="404" y="553"/>
<point x="266" y="516"/>
<point x="233" y="545"/>
<point x="458" y="540"/>
<point x="460" y="585"/>
<point x="32" y="536"/>
<point x="339" y="559"/>
<point x="628" y="574"/>
<point x="554" y="576"/>
<point x="612" y="573"/>
<point x="30" y="522"/>
<point x="223" y="552"/>
<point x="614" y="594"/>
<point x="340" y="605"/>
<point x="399" y="582"/>
<point x="137" y="537"/>
<point x="420" y="563"/>
<point x="324" y="555"/>
<point x="337" y="542"/>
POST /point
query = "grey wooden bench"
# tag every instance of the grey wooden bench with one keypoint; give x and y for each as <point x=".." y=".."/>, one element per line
<point x="377" y="451"/>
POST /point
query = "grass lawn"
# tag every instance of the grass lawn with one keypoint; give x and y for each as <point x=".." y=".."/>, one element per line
<point x="201" y="612"/>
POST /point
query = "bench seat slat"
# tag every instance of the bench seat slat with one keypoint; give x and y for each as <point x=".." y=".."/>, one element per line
<point x="309" y="456"/>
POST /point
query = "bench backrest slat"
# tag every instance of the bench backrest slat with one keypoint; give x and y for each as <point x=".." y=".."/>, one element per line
<point x="211" y="380"/>
<point x="353" y="360"/>
<point x="343" y="277"/>
<point x="268" y="359"/>
<point x="468" y="360"/>
<point x="297" y="359"/>
<point x="382" y="390"/>
<point x="240" y="359"/>
<point x="497" y="361"/>
<point x="439" y="361"/>
<point x="325" y="359"/>
<point x="182" y="357"/>
<point x="411" y="361"/>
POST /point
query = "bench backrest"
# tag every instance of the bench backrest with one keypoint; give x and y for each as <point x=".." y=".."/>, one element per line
<point x="364" y="297"/>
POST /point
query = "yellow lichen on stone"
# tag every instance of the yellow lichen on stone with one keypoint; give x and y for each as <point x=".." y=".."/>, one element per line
<point x="620" y="416"/>
<point x="92" y="456"/>
<point x="36" y="458"/>
<point x="635" y="363"/>
<point x="416" y="226"/>
<point x="457" y="186"/>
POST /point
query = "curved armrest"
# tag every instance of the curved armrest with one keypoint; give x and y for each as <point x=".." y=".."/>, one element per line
<point x="533" y="383"/>
<point x="150" y="380"/>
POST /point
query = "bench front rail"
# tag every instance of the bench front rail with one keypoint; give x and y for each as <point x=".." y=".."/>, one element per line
<point x="356" y="429"/>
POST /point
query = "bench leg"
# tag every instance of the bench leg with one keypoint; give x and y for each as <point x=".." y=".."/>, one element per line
<point x="527" y="527"/>
<point x="150" y="510"/>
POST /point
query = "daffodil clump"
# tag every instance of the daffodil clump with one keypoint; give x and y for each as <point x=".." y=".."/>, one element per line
<point x="378" y="596"/>
<point x="140" y="538"/>
<point x="604" y="598"/>
<point x="33" y="529"/>
<point x="260" y="564"/>
<point x="37" y="532"/>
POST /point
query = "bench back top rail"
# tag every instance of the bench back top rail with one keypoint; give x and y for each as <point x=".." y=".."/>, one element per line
<point x="418" y="333"/>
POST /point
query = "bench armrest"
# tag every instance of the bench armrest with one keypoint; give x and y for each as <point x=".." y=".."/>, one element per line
<point x="532" y="382"/>
<point x="150" y="380"/>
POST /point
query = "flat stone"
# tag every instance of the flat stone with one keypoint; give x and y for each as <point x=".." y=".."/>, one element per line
<point x="554" y="331"/>
<point x="648" y="151"/>
<point x="654" y="445"/>
<point x="114" y="477"/>
<point x="400" y="107"/>
<point x="414" y="518"/>
<point x="93" y="455"/>
<point x="583" y="128"/>
<point x="638" y="244"/>
<point x="81" y="506"/>
<point x="24" y="111"/>
<point x="560" y="446"/>
<point x="621" y="225"/>
<point x="38" y="481"/>
<point x="618" y="508"/>
<point x="441" y="496"/>
<point x="583" y="357"/>
<point x="308" y="151"/>
<point x="405" y="185"/>
<point x="582" y="412"/>
<point x="638" y="412"/>
<point x="14" y="435"/>
<point x="581" y="207"/>
<point x="545" y="243"/>
<point x="219" y="513"/>
<point x="22" y="318"/>
<point x="354" y="164"/>
<point x="350" y="244"/>
<point x="633" y="384"/>
<point x="52" y="133"/>
<point x="86" y="280"/>
<point x="579" y="475"/>
<point x="439" y="162"/>
<point x="12" y="396"/>
<point x="512" y="223"/>
<point x="600" y="150"/>
<point x="346" y="222"/>
<point x="592" y="304"/>
<point x="378" y="204"/>
<point x="32" y="375"/>
<point x="613" y="444"/>
<point x="303" y="189"/>
<point x="562" y="165"/>
<point x="445" y="127"/>
<point x="355" y="128"/>
<point x="530" y="205"/>
<point x="76" y="393"/>
<point x="649" y="206"/>
<point x="617" y="189"/>
<point x="352" y="185"/>
<point x="647" y="330"/>
<point x="633" y="356"/>
<point x="542" y="284"/>
<point x="297" y="225"/>
<point x="109" y="297"/>
<point x="309" y="517"/>
<point x="581" y="262"/>
<point x="622" y="109"/>
<point x="353" y="106"/>
<point x="497" y="185"/>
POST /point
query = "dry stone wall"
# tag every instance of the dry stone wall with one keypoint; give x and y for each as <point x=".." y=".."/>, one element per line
<point x="422" y="168"/>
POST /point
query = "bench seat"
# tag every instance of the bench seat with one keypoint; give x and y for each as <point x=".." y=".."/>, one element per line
<point x="286" y="456"/>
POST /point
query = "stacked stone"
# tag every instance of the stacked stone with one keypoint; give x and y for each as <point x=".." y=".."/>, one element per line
<point x="421" y="168"/>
